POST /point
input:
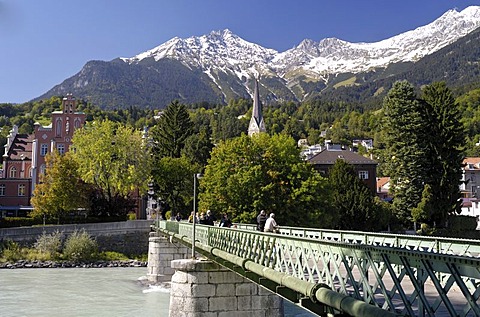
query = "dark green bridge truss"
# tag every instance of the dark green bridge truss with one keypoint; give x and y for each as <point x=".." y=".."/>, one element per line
<point x="348" y="273"/>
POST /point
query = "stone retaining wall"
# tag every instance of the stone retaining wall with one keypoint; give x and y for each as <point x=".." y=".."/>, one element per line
<point x="128" y="237"/>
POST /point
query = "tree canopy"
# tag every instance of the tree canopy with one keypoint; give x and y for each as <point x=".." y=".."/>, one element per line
<point x="60" y="190"/>
<point x="248" y="174"/>
<point x="113" y="158"/>
<point x="424" y="140"/>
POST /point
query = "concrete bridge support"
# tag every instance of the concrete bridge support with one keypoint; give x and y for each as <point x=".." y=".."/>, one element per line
<point x="204" y="288"/>
<point x="161" y="252"/>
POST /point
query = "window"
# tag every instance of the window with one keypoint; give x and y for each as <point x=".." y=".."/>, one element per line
<point x="42" y="169"/>
<point x="21" y="190"/>
<point x="61" y="148"/>
<point x="43" y="149"/>
<point x="363" y="174"/>
<point x="13" y="172"/>
<point x="58" y="127"/>
<point x="77" y="123"/>
<point x="2" y="189"/>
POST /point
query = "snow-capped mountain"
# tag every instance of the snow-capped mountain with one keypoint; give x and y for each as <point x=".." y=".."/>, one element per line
<point x="220" y="66"/>
<point x="226" y="52"/>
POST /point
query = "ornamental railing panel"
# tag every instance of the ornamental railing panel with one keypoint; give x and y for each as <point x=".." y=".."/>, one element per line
<point x="407" y="275"/>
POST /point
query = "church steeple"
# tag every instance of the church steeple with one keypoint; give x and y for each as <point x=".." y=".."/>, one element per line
<point x="257" y="124"/>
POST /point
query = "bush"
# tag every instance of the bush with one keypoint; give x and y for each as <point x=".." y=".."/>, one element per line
<point x="11" y="252"/>
<point x="50" y="244"/>
<point x="80" y="246"/>
<point x="112" y="256"/>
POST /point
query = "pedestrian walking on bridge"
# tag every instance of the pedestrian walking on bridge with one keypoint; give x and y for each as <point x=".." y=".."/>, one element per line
<point x="271" y="224"/>
<point x="261" y="219"/>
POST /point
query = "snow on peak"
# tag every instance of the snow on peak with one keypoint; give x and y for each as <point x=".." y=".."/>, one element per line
<point x="224" y="51"/>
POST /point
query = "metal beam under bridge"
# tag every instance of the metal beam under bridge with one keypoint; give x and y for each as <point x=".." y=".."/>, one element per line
<point x="348" y="273"/>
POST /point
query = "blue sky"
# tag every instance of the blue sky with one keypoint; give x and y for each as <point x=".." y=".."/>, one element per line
<point x="43" y="42"/>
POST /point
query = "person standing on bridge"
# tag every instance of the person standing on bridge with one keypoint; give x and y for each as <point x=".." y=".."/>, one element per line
<point x="178" y="217"/>
<point x="210" y="218"/>
<point x="225" y="221"/>
<point x="261" y="219"/>
<point x="192" y="216"/>
<point x="271" y="224"/>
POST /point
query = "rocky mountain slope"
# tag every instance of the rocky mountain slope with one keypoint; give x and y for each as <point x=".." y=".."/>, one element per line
<point x="220" y="66"/>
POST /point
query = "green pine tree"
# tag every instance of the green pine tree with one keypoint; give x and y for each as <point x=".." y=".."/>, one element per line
<point x="352" y="201"/>
<point x="171" y="131"/>
<point x="406" y="130"/>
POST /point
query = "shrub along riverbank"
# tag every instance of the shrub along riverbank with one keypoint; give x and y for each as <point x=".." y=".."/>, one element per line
<point x="57" y="251"/>
<point x="25" y="264"/>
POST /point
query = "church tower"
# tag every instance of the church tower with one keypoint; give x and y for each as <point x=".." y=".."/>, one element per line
<point x="257" y="125"/>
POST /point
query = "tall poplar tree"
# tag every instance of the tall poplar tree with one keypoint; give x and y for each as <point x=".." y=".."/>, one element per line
<point x="424" y="139"/>
<point x="171" y="181"/>
<point x="447" y="140"/>
<point x="406" y="131"/>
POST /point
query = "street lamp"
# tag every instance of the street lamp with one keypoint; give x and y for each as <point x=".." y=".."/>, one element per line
<point x="195" y="178"/>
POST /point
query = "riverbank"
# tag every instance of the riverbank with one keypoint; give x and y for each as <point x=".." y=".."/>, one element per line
<point x="25" y="264"/>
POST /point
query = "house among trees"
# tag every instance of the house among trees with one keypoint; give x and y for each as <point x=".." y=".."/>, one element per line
<point x="24" y="157"/>
<point x="364" y="167"/>
<point x="470" y="187"/>
<point x="383" y="189"/>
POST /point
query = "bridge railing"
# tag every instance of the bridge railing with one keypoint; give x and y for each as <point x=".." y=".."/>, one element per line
<point x="394" y="277"/>
<point x="453" y="246"/>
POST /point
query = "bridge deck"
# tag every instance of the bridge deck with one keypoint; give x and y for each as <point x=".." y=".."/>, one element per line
<point x="404" y="275"/>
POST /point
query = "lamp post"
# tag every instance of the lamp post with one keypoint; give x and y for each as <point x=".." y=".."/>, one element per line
<point x="195" y="178"/>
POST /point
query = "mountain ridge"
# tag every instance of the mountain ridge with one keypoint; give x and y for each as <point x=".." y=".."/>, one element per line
<point x="221" y="66"/>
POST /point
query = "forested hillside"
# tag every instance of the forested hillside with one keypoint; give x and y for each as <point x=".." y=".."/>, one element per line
<point x="342" y="121"/>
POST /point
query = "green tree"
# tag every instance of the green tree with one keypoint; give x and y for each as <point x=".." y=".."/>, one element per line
<point x="406" y="139"/>
<point x="173" y="178"/>
<point x="425" y="142"/>
<point x="60" y="190"/>
<point x="114" y="159"/>
<point x="352" y="200"/>
<point x="247" y="174"/>
<point x="198" y="147"/>
<point x="447" y="141"/>
<point x="171" y="131"/>
<point x="426" y="208"/>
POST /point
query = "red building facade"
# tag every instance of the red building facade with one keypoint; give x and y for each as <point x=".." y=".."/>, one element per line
<point x="24" y="157"/>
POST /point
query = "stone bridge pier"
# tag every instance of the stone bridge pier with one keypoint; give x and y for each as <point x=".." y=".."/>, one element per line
<point x="200" y="287"/>
<point x="161" y="252"/>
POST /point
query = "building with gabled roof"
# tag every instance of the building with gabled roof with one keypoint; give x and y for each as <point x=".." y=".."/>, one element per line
<point x="470" y="186"/>
<point x="257" y="125"/>
<point x="24" y="156"/>
<point x="16" y="181"/>
<point x="366" y="168"/>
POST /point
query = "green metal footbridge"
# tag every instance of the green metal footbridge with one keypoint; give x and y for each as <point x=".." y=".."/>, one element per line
<point x="346" y="273"/>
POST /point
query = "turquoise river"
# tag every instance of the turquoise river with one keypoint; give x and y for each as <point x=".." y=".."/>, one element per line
<point x="78" y="292"/>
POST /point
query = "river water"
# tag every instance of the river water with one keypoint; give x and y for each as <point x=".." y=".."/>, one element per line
<point x="78" y="292"/>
